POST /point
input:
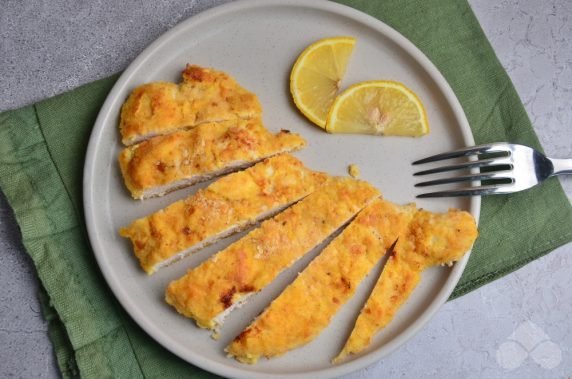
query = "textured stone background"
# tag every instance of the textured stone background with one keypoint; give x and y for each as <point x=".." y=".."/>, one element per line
<point x="47" y="47"/>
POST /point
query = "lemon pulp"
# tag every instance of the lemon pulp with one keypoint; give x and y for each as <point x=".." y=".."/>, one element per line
<point x="379" y="107"/>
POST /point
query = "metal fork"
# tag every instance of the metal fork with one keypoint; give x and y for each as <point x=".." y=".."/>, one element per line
<point x="507" y="168"/>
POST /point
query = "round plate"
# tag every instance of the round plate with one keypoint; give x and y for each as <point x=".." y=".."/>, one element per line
<point x="257" y="42"/>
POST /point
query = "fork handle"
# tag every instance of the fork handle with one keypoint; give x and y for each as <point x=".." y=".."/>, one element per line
<point x="562" y="166"/>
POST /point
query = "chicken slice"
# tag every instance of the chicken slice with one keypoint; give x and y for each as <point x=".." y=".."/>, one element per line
<point x="307" y="305"/>
<point x="228" y="205"/>
<point x="183" y="158"/>
<point x="205" y="95"/>
<point x="210" y="291"/>
<point x="432" y="239"/>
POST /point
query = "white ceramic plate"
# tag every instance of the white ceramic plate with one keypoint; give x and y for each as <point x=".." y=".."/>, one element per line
<point x="257" y="42"/>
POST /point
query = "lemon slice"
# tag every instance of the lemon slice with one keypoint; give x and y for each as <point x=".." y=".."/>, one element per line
<point x="316" y="76"/>
<point x="378" y="107"/>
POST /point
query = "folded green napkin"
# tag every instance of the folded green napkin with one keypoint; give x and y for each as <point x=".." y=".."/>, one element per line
<point x="42" y="147"/>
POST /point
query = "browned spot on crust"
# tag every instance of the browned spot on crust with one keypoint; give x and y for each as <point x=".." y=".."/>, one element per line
<point x="346" y="283"/>
<point x="161" y="166"/>
<point x="242" y="336"/>
<point x="355" y="250"/>
<point x="247" y="288"/>
<point x="226" y="298"/>
<point x="186" y="231"/>
<point x="195" y="73"/>
<point x="392" y="249"/>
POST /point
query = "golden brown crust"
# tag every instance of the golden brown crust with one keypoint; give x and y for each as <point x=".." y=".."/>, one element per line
<point x="186" y="157"/>
<point x="394" y="286"/>
<point x="307" y="306"/>
<point x="431" y="239"/>
<point x="254" y="261"/>
<point x="205" y="95"/>
<point x="237" y="200"/>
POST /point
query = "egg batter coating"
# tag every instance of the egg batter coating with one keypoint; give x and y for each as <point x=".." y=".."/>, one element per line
<point x="228" y="205"/>
<point x="166" y="163"/>
<point x="211" y="290"/>
<point x="308" y="304"/>
<point x="205" y="95"/>
<point x="432" y="239"/>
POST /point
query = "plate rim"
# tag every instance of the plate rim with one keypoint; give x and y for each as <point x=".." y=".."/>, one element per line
<point x="104" y="114"/>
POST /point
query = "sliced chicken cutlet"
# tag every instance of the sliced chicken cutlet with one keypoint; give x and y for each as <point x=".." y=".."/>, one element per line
<point x="211" y="290"/>
<point x="205" y="95"/>
<point x="183" y="158"/>
<point x="307" y="305"/>
<point x="228" y="205"/>
<point x="432" y="239"/>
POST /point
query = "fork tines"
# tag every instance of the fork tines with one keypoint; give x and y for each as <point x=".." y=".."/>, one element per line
<point x="498" y="171"/>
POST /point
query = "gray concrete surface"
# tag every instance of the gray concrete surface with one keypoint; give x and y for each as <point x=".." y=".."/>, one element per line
<point x="518" y="326"/>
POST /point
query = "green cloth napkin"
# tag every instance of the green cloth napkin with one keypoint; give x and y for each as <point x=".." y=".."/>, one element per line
<point x="42" y="149"/>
